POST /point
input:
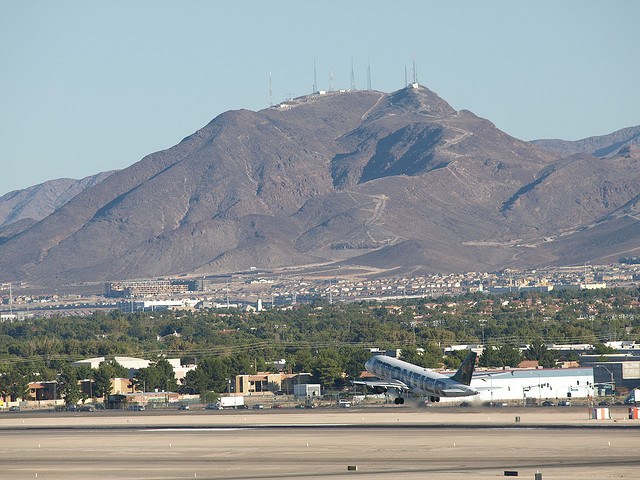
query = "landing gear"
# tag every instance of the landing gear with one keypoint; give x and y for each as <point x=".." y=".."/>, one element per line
<point x="398" y="401"/>
<point x="434" y="399"/>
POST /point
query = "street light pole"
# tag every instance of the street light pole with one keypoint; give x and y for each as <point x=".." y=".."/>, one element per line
<point x="613" y="383"/>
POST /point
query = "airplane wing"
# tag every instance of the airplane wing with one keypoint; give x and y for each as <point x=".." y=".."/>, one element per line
<point x="485" y="375"/>
<point x="397" y="384"/>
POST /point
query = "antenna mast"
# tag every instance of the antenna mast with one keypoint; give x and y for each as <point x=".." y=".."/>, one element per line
<point x="406" y="82"/>
<point x="270" y="92"/>
<point x="415" y="72"/>
<point x="331" y="78"/>
<point x="315" y="76"/>
<point x="368" y="75"/>
<point x="353" y="78"/>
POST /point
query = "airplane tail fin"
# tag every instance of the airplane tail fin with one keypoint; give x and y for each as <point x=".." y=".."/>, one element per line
<point x="465" y="372"/>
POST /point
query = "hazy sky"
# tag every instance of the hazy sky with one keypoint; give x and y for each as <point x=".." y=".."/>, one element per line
<point x="88" y="86"/>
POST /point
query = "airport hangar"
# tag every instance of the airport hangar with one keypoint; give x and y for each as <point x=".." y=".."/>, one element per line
<point x="530" y="386"/>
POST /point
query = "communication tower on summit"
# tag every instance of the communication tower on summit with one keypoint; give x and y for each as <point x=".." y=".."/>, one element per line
<point x="270" y="92"/>
<point x="415" y="72"/>
<point x="353" y="78"/>
<point x="315" y="76"/>
<point x="368" y="76"/>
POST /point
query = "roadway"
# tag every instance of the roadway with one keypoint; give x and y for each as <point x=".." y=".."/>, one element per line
<point x="390" y="442"/>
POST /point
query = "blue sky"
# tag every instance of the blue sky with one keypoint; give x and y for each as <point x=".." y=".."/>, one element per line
<point x="90" y="86"/>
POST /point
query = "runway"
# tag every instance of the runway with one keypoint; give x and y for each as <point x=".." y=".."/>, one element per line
<point x="382" y="444"/>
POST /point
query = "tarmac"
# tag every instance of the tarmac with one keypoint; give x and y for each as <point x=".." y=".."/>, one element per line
<point x="371" y="443"/>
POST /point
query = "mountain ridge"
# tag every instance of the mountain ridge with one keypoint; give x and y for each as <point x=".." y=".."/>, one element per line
<point x="396" y="181"/>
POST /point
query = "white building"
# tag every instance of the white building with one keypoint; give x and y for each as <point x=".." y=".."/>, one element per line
<point x="134" y="364"/>
<point x="153" y="305"/>
<point x="307" y="390"/>
<point x="530" y="386"/>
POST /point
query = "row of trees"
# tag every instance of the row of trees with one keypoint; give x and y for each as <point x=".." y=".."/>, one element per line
<point x="326" y="340"/>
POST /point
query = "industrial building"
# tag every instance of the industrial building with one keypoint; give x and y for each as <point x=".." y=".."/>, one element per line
<point x="146" y="288"/>
<point x="531" y="386"/>
<point x="266" y="383"/>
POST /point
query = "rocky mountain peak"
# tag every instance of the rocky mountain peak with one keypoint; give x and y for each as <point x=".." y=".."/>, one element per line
<point x="416" y="98"/>
<point x="398" y="181"/>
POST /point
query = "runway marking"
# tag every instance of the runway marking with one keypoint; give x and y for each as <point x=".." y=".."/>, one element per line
<point x="196" y="429"/>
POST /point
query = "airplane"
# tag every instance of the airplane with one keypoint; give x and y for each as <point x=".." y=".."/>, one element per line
<point x="403" y="377"/>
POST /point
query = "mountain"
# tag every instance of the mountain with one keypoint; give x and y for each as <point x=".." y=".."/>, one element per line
<point x="35" y="203"/>
<point x="600" y="146"/>
<point x="400" y="182"/>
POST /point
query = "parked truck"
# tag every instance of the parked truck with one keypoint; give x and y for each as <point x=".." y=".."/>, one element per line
<point x="231" y="402"/>
<point x="634" y="397"/>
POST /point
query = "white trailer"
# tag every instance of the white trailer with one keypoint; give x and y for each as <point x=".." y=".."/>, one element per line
<point x="231" y="402"/>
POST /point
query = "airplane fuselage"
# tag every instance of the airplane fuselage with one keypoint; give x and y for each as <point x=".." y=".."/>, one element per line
<point x="417" y="379"/>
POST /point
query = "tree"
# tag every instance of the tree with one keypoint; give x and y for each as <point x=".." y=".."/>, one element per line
<point x="509" y="356"/>
<point x="410" y="354"/>
<point x="301" y="360"/>
<point x="211" y="374"/>
<point x="539" y="351"/>
<point x="454" y="359"/>
<point x="489" y="357"/>
<point x="326" y="368"/>
<point x="102" y="377"/>
<point x="102" y="382"/>
<point x="602" y="349"/>
<point x="502" y="356"/>
<point x="432" y="357"/>
<point x="14" y="384"/>
<point x="68" y="387"/>
<point x="158" y="375"/>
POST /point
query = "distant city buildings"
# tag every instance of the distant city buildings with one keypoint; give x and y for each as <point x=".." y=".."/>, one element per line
<point x="255" y="290"/>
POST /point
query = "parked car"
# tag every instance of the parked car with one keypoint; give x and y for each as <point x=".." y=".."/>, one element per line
<point x="548" y="403"/>
<point x="136" y="408"/>
<point x="564" y="403"/>
<point x="258" y="406"/>
<point x="87" y="408"/>
<point x="213" y="406"/>
<point x="183" y="407"/>
<point x="14" y="409"/>
<point x="604" y="403"/>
